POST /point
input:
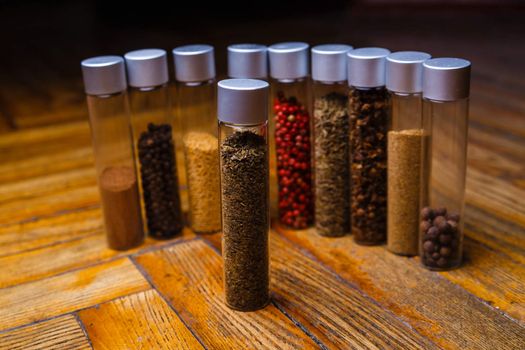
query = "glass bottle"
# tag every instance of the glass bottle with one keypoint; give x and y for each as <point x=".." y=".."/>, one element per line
<point x="446" y="86"/>
<point x="369" y="124"/>
<point x="291" y="130"/>
<point x="243" y="131"/>
<point x="404" y="81"/>
<point x="330" y="140"/>
<point x="153" y="139"/>
<point x="105" y="87"/>
<point x="195" y="75"/>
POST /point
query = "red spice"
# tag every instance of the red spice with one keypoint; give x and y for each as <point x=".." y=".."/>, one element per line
<point x="292" y="145"/>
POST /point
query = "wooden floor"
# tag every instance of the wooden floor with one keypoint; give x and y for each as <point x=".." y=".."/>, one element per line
<point x="60" y="287"/>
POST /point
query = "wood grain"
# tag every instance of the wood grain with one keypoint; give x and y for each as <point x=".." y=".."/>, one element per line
<point x="62" y="332"/>
<point x="450" y="316"/>
<point x="72" y="291"/>
<point x="137" y="321"/>
<point x="190" y="276"/>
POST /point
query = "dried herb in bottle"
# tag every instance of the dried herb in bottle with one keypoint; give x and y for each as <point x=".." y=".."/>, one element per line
<point x="244" y="186"/>
<point x="332" y="165"/>
<point x="159" y="181"/>
<point x="369" y="118"/>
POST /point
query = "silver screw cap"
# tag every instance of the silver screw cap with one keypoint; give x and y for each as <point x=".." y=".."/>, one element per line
<point x="329" y="62"/>
<point x="366" y="67"/>
<point x="404" y="71"/>
<point x="147" y="68"/>
<point x="249" y="61"/>
<point x="446" y="79"/>
<point x="103" y="75"/>
<point x="243" y="101"/>
<point x="194" y="63"/>
<point x="288" y="60"/>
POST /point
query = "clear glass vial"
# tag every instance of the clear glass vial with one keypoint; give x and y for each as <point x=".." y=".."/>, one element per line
<point x="330" y="140"/>
<point x="105" y="87"/>
<point x="243" y="131"/>
<point x="369" y="124"/>
<point x="404" y="81"/>
<point x="446" y="87"/>
<point x="195" y="75"/>
<point x="291" y="130"/>
<point x="153" y="139"/>
<point x="248" y="61"/>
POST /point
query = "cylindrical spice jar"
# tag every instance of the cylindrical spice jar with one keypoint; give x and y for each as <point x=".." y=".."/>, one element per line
<point x="404" y="76"/>
<point x="195" y="75"/>
<point x="105" y="87"/>
<point x="153" y="138"/>
<point x="446" y="87"/>
<point x="248" y="61"/>
<point x="330" y="139"/>
<point x="291" y="124"/>
<point x="369" y="124"/>
<point x="243" y="130"/>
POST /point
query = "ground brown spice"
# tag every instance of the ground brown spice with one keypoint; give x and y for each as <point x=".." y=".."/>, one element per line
<point x="121" y="206"/>
<point x="201" y="152"/>
<point x="245" y="220"/>
<point x="404" y="166"/>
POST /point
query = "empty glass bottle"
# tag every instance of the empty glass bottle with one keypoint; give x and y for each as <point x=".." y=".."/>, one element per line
<point x="105" y="87"/>
<point x="446" y="86"/>
<point x="243" y="128"/>
<point x="153" y="138"/>
<point x="404" y="77"/>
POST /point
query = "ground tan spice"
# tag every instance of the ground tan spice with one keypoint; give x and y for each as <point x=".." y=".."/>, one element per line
<point x="404" y="166"/>
<point x="121" y="206"/>
<point x="202" y="169"/>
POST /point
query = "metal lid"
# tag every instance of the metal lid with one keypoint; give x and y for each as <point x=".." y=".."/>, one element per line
<point x="194" y="63"/>
<point x="366" y="67"/>
<point x="103" y="75"/>
<point x="404" y="71"/>
<point x="243" y="101"/>
<point x="248" y="61"/>
<point x="147" y="68"/>
<point x="446" y="79"/>
<point x="288" y="60"/>
<point x="329" y="62"/>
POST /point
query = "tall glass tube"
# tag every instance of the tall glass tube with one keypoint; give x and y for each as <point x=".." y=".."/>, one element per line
<point x="243" y="131"/>
<point x="195" y="75"/>
<point x="105" y="87"/>
<point x="330" y="140"/>
<point x="404" y="76"/>
<point x="369" y="124"/>
<point x="291" y="130"/>
<point x="445" y="122"/>
<point x="153" y="139"/>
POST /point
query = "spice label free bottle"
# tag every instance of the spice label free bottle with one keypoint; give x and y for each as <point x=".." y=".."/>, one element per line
<point x="404" y="76"/>
<point x="153" y="138"/>
<point x="291" y="124"/>
<point x="446" y="87"/>
<point x="369" y="125"/>
<point x="243" y="131"/>
<point x="105" y="87"/>
<point x="330" y="139"/>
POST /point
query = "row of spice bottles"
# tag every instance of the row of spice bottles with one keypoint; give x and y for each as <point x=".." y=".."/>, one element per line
<point x="349" y="143"/>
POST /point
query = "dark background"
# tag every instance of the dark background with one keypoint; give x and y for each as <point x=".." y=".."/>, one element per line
<point x="42" y="43"/>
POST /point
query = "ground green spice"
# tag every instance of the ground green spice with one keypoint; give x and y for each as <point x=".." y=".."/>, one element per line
<point x="245" y="220"/>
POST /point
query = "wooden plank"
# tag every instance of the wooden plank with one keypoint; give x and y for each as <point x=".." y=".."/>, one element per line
<point x="68" y="292"/>
<point x="62" y="332"/>
<point x="44" y="231"/>
<point x="190" y="276"/>
<point x="335" y="312"/>
<point x="448" y="315"/>
<point x="137" y="321"/>
<point x="27" y="266"/>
